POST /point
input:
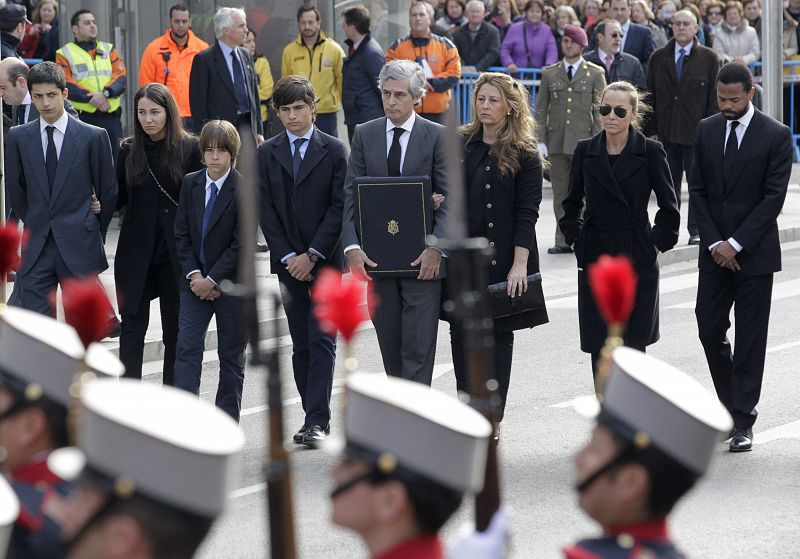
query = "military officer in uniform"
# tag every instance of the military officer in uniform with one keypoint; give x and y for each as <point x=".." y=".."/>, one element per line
<point x="153" y="467"/>
<point x="565" y="113"/>
<point x="656" y="433"/>
<point x="40" y="359"/>
<point x="396" y="491"/>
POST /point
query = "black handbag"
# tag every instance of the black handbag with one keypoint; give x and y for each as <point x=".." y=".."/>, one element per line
<point x="503" y="305"/>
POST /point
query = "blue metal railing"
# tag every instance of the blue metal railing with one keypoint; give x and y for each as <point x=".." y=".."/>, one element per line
<point x="531" y="78"/>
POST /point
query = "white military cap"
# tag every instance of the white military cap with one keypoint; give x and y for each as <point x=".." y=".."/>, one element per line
<point x="664" y="406"/>
<point x="9" y="511"/>
<point x="40" y="356"/>
<point x="160" y="442"/>
<point x="398" y="423"/>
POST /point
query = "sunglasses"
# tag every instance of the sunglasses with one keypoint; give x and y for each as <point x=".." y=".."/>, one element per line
<point x="715" y="13"/>
<point x="616" y="35"/>
<point x="621" y="112"/>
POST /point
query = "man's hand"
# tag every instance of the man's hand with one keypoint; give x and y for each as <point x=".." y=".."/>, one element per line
<point x="202" y="287"/>
<point x="356" y="259"/>
<point x="738" y="59"/>
<point x="512" y="68"/>
<point x="725" y="255"/>
<point x="428" y="263"/>
<point x="95" y="206"/>
<point x="299" y="267"/>
<point x="97" y="99"/>
<point x="259" y="139"/>
<point x="437" y="200"/>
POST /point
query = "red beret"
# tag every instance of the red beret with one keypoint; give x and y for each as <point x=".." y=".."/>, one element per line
<point x="576" y="34"/>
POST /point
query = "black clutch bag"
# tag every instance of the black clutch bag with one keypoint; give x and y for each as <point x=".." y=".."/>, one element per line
<point x="503" y="305"/>
<point x="393" y="215"/>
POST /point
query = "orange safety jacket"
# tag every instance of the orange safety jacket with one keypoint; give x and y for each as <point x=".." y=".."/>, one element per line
<point x="163" y="62"/>
<point x="444" y="61"/>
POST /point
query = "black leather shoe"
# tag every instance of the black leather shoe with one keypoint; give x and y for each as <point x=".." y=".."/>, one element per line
<point x="114" y="327"/>
<point x="742" y="440"/>
<point x="729" y="436"/>
<point x="559" y="249"/>
<point x="694" y="240"/>
<point x="298" y="437"/>
<point x="315" y="435"/>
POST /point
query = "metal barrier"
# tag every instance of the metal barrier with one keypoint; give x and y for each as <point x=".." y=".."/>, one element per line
<point x="531" y="78"/>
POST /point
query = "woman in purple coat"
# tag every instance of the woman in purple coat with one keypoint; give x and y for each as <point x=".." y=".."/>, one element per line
<point x="529" y="43"/>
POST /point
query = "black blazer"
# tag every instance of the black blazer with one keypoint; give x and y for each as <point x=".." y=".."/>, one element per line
<point x="746" y="209"/>
<point x="639" y="43"/>
<point x="361" y="98"/>
<point x="222" y="237"/>
<point x="308" y="215"/>
<point x="148" y="211"/>
<point x="211" y="92"/>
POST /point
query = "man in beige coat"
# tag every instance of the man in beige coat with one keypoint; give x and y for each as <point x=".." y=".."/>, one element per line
<point x="565" y="113"/>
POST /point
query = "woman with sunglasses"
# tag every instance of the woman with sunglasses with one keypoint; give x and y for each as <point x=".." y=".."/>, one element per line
<point x="615" y="172"/>
<point x="150" y="171"/>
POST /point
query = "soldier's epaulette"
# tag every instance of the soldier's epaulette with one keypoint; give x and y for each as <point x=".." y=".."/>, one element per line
<point x="551" y="66"/>
<point x="594" y="66"/>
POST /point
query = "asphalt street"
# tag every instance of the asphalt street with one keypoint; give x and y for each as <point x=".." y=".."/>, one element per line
<point x="748" y="507"/>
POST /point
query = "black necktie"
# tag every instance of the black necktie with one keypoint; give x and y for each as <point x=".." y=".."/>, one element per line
<point x="569" y="73"/>
<point x="212" y="199"/>
<point x="297" y="160"/>
<point x="51" y="157"/>
<point x="21" y="114"/>
<point x="731" y="151"/>
<point x="242" y="100"/>
<point x="395" y="153"/>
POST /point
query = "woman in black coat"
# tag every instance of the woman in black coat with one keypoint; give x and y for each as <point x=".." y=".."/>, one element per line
<point x="150" y="170"/>
<point x="615" y="173"/>
<point x="503" y="173"/>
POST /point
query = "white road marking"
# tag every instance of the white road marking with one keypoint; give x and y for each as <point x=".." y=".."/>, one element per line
<point x="668" y="285"/>
<point x="782" y="290"/>
<point x="786" y="431"/>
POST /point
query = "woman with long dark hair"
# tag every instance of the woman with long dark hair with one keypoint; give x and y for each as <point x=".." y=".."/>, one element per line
<point x="611" y="180"/>
<point x="503" y="171"/>
<point x="150" y="170"/>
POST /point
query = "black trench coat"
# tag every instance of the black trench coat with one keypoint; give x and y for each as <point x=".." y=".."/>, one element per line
<point x="615" y="221"/>
<point x="504" y="209"/>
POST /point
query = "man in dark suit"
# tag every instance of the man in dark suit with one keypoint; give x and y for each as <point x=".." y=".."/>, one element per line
<point x="223" y="83"/>
<point x="681" y="79"/>
<point x="619" y="66"/>
<point x="402" y="143"/>
<point x="637" y="40"/>
<point x="55" y="165"/>
<point x="207" y="240"/>
<point x="742" y="163"/>
<point x="302" y="174"/>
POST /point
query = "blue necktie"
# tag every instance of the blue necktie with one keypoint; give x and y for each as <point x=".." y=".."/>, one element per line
<point x="296" y="159"/>
<point x="51" y="157"/>
<point x="679" y="64"/>
<point x="212" y="199"/>
<point x="242" y="100"/>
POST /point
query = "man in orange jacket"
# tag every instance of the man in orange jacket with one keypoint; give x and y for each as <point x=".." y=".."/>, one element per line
<point x="437" y="55"/>
<point x="168" y="59"/>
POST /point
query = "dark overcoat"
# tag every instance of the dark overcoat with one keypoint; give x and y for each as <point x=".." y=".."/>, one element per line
<point x="504" y="209"/>
<point x="615" y="221"/>
<point x="679" y="105"/>
<point x="148" y="211"/>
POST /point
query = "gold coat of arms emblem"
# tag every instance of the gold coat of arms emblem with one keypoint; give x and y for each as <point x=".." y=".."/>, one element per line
<point x="394" y="227"/>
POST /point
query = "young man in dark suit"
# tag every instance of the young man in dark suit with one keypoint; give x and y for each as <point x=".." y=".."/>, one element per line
<point x="207" y="239"/>
<point x="55" y="165"/>
<point x="742" y="163"/>
<point x="401" y="144"/>
<point x="681" y="80"/>
<point x="302" y="174"/>
<point x="223" y="81"/>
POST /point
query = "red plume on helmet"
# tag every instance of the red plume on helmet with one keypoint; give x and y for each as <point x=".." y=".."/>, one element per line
<point x="86" y="308"/>
<point x="10" y="241"/>
<point x="337" y="303"/>
<point x="613" y="283"/>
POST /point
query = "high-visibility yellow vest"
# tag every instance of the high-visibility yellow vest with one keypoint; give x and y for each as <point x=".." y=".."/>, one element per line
<point x="90" y="73"/>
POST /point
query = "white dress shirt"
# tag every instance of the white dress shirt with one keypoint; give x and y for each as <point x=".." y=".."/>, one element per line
<point x="624" y="27"/>
<point x="686" y="50"/>
<point x="219" y="182"/>
<point x="226" y="51"/>
<point x="26" y="106"/>
<point x="574" y="66"/>
<point x="58" y="134"/>
<point x="303" y="149"/>
<point x="744" y="122"/>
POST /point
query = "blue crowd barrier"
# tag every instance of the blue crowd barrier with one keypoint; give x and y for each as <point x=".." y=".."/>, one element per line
<point x="531" y="78"/>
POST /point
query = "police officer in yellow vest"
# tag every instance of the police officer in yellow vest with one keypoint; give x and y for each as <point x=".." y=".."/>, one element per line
<point x="96" y="77"/>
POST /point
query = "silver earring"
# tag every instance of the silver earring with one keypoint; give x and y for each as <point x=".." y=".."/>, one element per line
<point x="508" y="113"/>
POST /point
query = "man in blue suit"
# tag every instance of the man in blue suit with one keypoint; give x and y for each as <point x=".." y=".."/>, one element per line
<point x="55" y="166"/>
<point x="637" y="40"/>
<point x="302" y="174"/>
